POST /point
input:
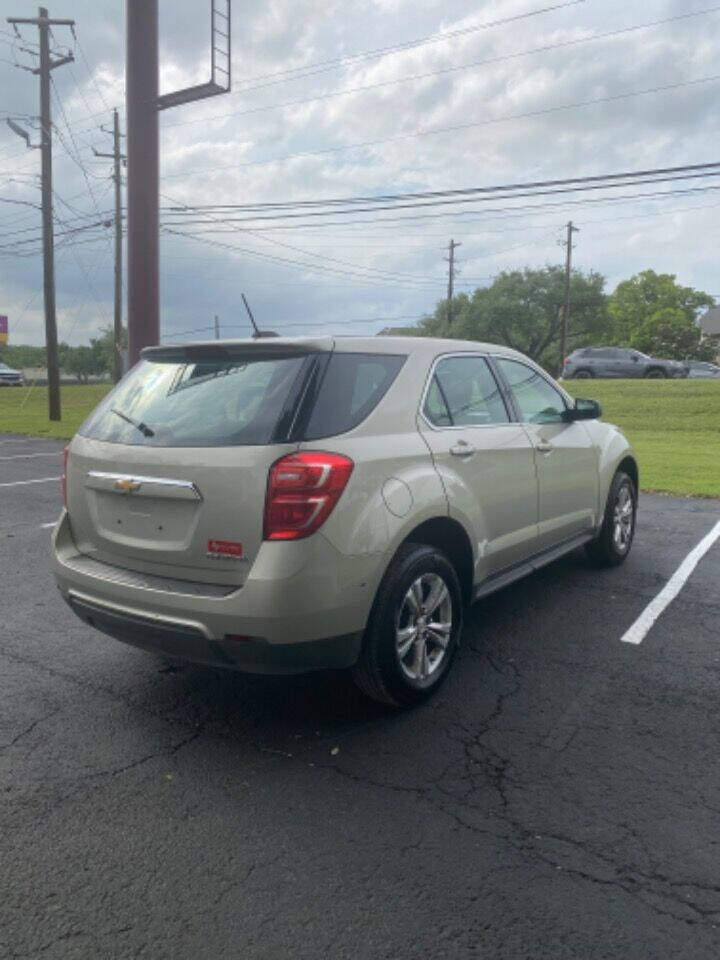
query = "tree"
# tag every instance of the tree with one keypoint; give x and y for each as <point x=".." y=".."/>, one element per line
<point x="83" y="362"/>
<point x="523" y="310"/>
<point x="104" y="347"/>
<point x="652" y="312"/>
<point x="23" y="357"/>
<point x="669" y="333"/>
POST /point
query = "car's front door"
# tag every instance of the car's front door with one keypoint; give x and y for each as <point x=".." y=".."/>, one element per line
<point x="485" y="460"/>
<point x="565" y="455"/>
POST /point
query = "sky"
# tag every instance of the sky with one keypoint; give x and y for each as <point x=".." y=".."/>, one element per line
<point x="344" y="98"/>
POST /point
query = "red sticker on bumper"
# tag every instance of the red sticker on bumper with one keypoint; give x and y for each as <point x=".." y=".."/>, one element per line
<point x="225" y="548"/>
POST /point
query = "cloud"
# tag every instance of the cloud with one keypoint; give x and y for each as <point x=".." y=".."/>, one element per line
<point x="500" y="99"/>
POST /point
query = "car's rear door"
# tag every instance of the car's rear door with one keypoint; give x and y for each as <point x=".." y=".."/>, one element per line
<point x="485" y="460"/>
<point x="180" y="491"/>
<point x="565" y="456"/>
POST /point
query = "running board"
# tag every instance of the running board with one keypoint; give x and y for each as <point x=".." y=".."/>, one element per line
<point x="505" y="577"/>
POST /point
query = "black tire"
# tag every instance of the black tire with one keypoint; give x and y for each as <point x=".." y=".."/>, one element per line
<point x="584" y="375"/>
<point x="610" y="549"/>
<point x="655" y="373"/>
<point x="381" y="672"/>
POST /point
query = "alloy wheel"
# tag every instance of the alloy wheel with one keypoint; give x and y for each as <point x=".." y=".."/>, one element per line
<point x="623" y="519"/>
<point x="423" y="627"/>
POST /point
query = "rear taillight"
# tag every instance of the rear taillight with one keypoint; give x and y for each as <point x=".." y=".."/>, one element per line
<point x="566" y="360"/>
<point x="302" y="490"/>
<point x="63" y="481"/>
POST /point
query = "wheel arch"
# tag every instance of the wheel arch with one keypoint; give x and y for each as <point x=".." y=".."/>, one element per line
<point x="451" y="538"/>
<point x="629" y="466"/>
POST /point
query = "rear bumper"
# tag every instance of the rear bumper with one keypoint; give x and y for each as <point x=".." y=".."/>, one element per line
<point x="298" y="610"/>
<point x="188" y="642"/>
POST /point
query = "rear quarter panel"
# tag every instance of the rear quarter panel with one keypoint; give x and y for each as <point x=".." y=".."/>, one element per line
<point x="394" y="486"/>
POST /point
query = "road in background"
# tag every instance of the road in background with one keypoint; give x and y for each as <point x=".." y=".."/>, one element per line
<point x="560" y="798"/>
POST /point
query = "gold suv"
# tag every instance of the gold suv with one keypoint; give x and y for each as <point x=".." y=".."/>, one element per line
<point x="283" y="505"/>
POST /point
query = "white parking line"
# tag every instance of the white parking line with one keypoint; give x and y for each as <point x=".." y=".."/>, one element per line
<point x="27" y="456"/>
<point x="46" y="526"/>
<point x="21" y="483"/>
<point x="639" y="630"/>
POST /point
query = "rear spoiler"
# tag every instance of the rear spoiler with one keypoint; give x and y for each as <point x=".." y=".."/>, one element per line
<point x="266" y="348"/>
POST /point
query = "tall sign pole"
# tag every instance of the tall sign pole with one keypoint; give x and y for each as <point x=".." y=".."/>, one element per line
<point x="47" y="63"/>
<point x="143" y="213"/>
<point x="143" y="104"/>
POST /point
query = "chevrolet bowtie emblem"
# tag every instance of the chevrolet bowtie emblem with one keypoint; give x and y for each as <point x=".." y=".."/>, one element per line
<point x="126" y="485"/>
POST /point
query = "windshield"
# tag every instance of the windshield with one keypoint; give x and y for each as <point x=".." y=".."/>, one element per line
<point x="214" y="402"/>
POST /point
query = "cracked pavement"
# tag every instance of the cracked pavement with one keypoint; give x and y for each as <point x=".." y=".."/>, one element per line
<point x="560" y="797"/>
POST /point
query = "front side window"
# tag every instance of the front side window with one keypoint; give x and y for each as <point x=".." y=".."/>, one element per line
<point x="463" y="393"/>
<point x="537" y="401"/>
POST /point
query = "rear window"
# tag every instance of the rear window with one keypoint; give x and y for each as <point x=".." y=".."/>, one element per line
<point x="351" y="388"/>
<point x="214" y="402"/>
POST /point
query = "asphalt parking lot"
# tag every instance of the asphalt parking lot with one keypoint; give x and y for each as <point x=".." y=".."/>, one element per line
<point x="560" y="798"/>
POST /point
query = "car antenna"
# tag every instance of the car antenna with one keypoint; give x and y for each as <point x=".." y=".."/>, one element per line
<point x="257" y="334"/>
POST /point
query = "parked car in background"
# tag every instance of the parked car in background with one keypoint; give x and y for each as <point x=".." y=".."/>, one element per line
<point x="10" y="377"/>
<point x="701" y="369"/>
<point x="619" y="362"/>
<point x="286" y="505"/>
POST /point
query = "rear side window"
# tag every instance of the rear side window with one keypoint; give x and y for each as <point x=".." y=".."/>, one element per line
<point x="214" y="402"/>
<point x="463" y="393"/>
<point x="351" y="388"/>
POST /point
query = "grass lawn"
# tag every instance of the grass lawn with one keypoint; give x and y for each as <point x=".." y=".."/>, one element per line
<point x="25" y="409"/>
<point x="674" y="425"/>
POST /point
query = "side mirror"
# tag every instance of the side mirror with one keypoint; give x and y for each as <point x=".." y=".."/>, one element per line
<point x="583" y="410"/>
<point x="635" y="357"/>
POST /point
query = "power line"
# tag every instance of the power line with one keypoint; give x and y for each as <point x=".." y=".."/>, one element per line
<point x="375" y="270"/>
<point x="283" y="76"/>
<point x="438" y="203"/>
<point x="303" y="323"/>
<point x="545" y="111"/>
<point x="493" y="212"/>
<point x="594" y="181"/>
<point x="298" y="264"/>
<point x="91" y="73"/>
<point x="445" y="70"/>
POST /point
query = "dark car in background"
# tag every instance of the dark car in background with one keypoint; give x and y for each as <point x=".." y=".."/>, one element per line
<point x="10" y="377"/>
<point x="619" y="362"/>
<point x="701" y="369"/>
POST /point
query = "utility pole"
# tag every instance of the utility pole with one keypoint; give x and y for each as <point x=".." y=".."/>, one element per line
<point x="117" y="157"/>
<point x="566" y="303"/>
<point x="451" y="278"/>
<point x="217" y="327"/>
<point x="47" y="63"/>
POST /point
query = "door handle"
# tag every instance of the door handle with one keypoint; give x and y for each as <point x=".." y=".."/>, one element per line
<point x="462" y="449"/>
<point x="544" y="446"/>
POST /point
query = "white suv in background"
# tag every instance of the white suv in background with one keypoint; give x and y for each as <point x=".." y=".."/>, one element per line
<point x="283" y="505"/>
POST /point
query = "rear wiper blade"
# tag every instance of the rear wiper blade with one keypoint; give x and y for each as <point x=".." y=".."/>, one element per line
<point x="142" y="427"/>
